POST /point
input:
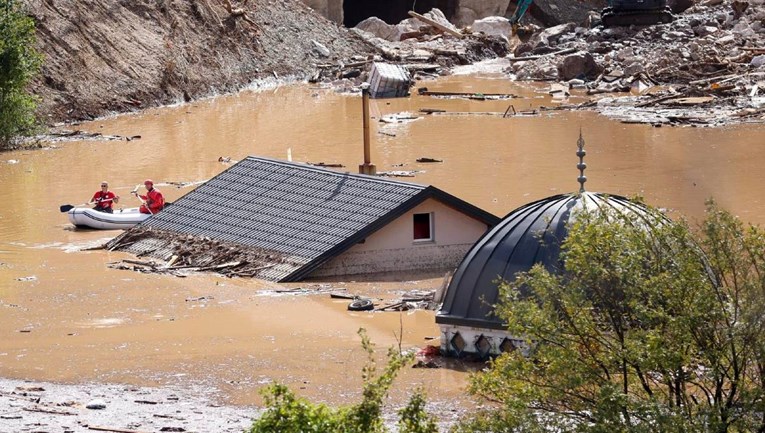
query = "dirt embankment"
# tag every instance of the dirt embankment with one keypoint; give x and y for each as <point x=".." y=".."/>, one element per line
<point x="103" y="57"/>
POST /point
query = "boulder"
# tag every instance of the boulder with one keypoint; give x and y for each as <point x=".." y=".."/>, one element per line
<point x="471" y="10"/>
<point x="380" y="28"/>
<point x="494" y="26"/>
<point x="576" y="65"/>
<point x="551" y="35"/>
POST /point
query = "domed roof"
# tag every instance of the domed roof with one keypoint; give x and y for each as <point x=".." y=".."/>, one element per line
<point x="528" y="235"/>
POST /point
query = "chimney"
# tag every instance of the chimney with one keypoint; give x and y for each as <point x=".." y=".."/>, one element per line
<point x="367" y="167"/>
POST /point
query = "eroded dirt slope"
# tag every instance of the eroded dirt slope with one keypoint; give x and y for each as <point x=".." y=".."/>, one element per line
<point x="114" y="56"/>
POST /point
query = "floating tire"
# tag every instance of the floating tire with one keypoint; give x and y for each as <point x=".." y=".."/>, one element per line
<point x="361" y="305"/>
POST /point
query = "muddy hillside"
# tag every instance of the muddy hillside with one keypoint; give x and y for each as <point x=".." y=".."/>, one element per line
<point x="103" y="57"/>
<point x="703" y="68"/>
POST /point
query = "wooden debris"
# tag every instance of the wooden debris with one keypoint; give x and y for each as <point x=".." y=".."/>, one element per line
<point x="171" y="262"/>
<point x="438" y="26"/>
<point x="83" y="135"/>
<point x="324" y="164"/>
<point x="397" y="173"/>
<point x="554" y="53"/>
<point x="471" y="113"/>
<point x="51" y="411"/>
<point x="113" y="429"/>
<point x="689" y="100"/>
<point x="475" y="96"/>
<point x="429" y="160"/>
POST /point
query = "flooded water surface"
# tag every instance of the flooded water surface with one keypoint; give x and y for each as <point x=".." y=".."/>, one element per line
<point x="66" y="316"/>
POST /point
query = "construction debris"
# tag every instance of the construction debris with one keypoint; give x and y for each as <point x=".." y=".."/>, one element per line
<point x="701" y="69"/>
<point x="474" y="96"/>
<point x="180" y="255"/>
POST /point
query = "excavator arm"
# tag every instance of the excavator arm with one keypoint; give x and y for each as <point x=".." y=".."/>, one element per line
<point x="520" y="10"/>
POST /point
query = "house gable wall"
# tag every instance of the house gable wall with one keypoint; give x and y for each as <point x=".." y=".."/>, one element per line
<point x="393" y="248"/>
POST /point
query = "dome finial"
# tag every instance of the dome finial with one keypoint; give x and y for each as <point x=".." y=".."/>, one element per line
<point x="581" y="166"/>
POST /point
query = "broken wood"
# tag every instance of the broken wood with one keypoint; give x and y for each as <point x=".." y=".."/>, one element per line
<point x="554" y="53"/>
<point x="43" y="410"/>
<point x="140" y="263"/>
<point x="324" y="164"/>
<point x="468" y="113"/>
<point x="689" y="100"/>
<point x="477" y="95"/>
<point x="342" y="296"/>
<point x="221" y="266"/>
<point x="113" y="429"/>
<point x="439" y="26"/>
<point x="172" y="261"/>
<point x="657" y="100"/>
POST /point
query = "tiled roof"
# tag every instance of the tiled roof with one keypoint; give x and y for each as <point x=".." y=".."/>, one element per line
<point x="308" y="214"/>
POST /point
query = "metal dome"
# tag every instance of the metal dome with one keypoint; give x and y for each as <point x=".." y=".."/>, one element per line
<point x="528" y="235"/>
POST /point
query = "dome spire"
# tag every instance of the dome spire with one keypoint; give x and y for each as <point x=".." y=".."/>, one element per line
<point x="581" y="166"/>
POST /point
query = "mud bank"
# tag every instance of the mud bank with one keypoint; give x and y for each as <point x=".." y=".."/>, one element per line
<point x="48" y="407"/>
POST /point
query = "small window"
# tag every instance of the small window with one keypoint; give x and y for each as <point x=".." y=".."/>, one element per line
<point x="423" y="230"/>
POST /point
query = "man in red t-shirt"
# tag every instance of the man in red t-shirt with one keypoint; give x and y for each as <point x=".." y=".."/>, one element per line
<point x="104" y="199"/>
<point x="153" y="201"/>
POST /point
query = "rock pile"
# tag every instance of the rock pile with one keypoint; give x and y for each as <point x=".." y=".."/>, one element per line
<point x="706" y="67"/>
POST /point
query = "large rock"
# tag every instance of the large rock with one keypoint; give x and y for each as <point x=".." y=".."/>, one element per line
<point x="550" y="36"/>
<point x="381" y="29"/>
<point x="495" y="26"/>
<point x="471" y="10"/>
<point x="580" y="64"/>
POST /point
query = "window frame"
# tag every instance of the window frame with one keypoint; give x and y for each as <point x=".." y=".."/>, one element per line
<point x="431" y="231"/>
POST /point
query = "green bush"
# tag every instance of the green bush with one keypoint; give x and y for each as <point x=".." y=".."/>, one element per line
<point x="286" y="413"/>
<point x="19" y="64"/>
<point x="658" y="330"/>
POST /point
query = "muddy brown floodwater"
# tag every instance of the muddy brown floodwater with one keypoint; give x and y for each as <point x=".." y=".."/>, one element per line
<point x="66" y="317"/>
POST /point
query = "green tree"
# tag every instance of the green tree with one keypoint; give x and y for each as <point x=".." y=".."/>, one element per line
<point x="19" y="63"/>
<point x="652" y="327"/>
<point x="286" y="413"/>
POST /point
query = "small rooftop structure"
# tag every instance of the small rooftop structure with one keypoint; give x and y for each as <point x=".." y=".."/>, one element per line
<point x="298" y="221"/>
<point x="527" y="236"/>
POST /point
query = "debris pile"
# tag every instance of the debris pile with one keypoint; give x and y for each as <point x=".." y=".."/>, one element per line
<point x="706" y="67"/>
<point x="425" y="45"/>
<point x="181" y="255"/>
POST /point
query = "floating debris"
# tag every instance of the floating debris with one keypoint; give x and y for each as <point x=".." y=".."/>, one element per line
<point x="424" y="159"/>
<point x="325" y="164"/>
<point x="477" y="96"/>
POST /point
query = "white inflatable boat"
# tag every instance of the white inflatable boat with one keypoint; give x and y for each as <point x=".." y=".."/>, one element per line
<point x="120" y="219"/>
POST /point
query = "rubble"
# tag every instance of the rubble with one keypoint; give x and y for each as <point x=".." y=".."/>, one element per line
<point x="703" y="68"/>
<point x="707" y="67"/>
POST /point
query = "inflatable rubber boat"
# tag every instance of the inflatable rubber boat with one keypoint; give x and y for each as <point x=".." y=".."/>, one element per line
<point x="120" y="219"/>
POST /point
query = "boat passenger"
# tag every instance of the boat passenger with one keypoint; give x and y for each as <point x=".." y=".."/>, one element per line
<point x="104" y="199"/>
<point x="153" y="201"/>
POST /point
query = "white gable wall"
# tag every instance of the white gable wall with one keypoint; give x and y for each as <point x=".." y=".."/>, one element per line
<point x="393" y="247"/>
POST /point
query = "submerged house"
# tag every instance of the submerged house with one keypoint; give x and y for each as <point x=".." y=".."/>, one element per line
<point x="293" y="221"/>
<point x="529" y="235"/>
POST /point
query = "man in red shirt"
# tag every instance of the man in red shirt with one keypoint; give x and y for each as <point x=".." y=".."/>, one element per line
<point x="104" y="199"/>
<point x="153" y="201"/>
